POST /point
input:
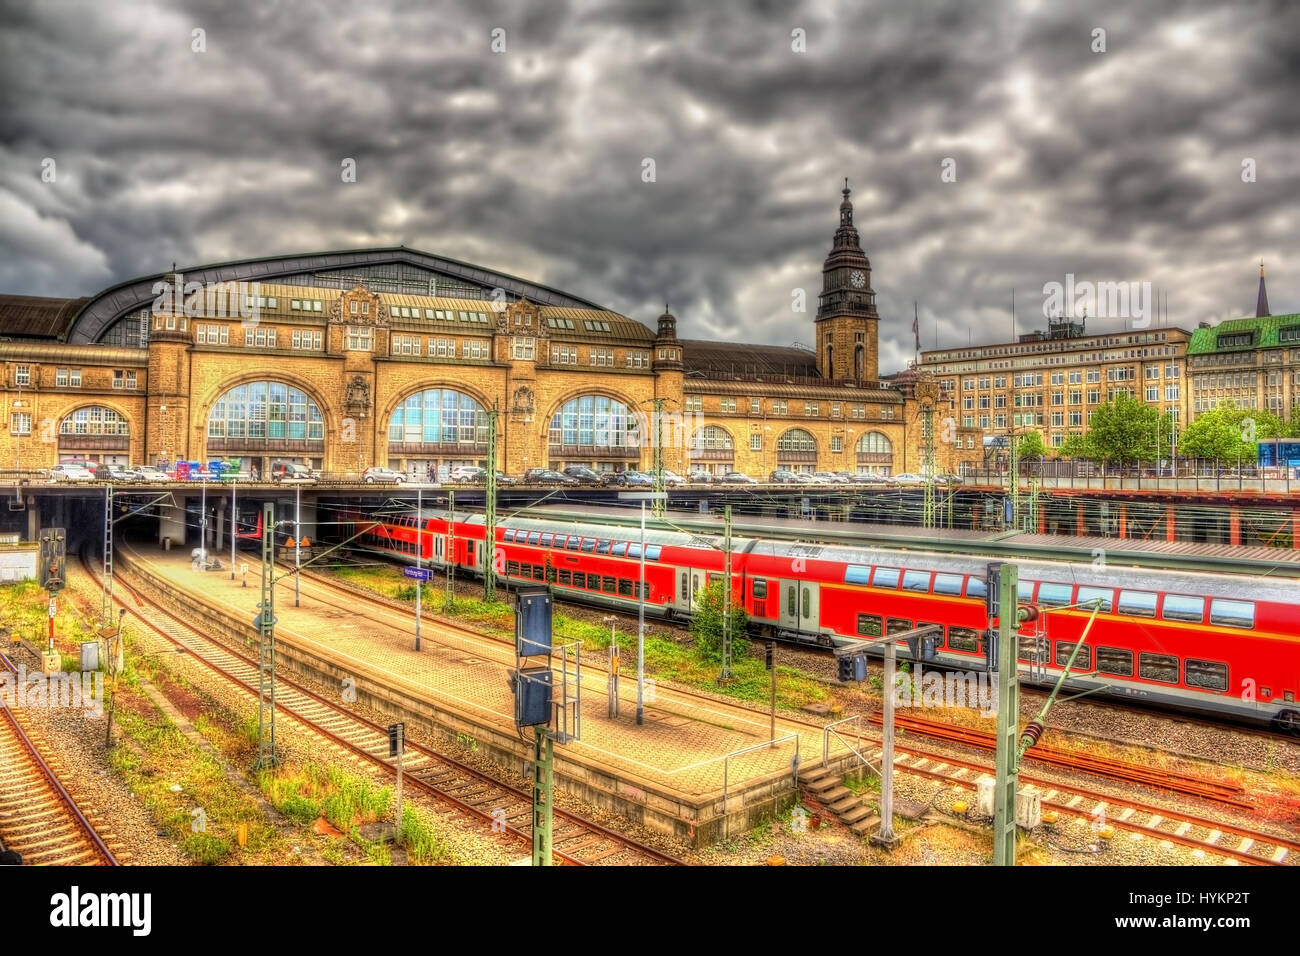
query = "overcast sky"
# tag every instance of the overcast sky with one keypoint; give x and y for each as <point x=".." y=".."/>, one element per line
<point x="1122" y="165"/>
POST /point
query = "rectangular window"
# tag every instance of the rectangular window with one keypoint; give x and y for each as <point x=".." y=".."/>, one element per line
<point x="857" y="574"/>
<point x="1113" y="660"/>
<point x="1205" y="674"/>
<point x="1232" y="613"/>
<point x="1082" y="660"/>
<point x="358" y="337"/>
<point x="589" y="545"/>
<point x="1054" y="595"/>
<point x="61" y="378"/>
<point x="947" y="584"/>
<point x="963" y="638"/>
<point x="837" y="444"/>
<point x="1033" y="649"/>
<point x="579" y="579"/>
<point x="976" y="588"/>
<point x="760" y="590"/>
<point x="607" y="584"/>
<point x="564" y="577"/>
<point x="869" y="625"/>
<point x="625" y="587"/>
<point x="1137" y="603"/>
<point x="1161" y="667"/>
<point x="897" y="625"/>
<point x="755" y="442"/>
<point x="522" y="348"/>
<point x="916" y="581"/>
<point x="1089" y="595"/>
<point x="886" y="578"/>
<point x="20" y="423"/>
<point x="1182" y="607"/>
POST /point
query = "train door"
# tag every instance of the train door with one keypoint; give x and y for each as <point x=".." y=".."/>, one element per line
<point x="688" y="583"/>
<point x="438" y="543"/>
<point x="799" y="601"/>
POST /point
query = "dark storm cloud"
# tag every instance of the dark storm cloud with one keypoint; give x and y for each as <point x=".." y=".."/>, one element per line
<point x="1123" y="165"/>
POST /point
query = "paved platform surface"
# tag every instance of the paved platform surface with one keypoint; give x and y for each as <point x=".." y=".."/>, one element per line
<point x="683" y="745"/>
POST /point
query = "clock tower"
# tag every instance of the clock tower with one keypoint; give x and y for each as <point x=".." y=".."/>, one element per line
<point x="846" y="308"/>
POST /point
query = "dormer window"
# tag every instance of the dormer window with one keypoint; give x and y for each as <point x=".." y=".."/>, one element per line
<point x="353" y="307"/>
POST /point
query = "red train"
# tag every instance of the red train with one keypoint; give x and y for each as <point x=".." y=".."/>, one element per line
<point x="1190" y="640"/>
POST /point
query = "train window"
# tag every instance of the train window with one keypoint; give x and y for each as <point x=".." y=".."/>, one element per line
<point x="1035" y="650"/>
<point x="509" y="535"/>
<point x="947" y="584"/>
<point x="652" y="552"/>
<point x="685" y="588"/>
<point x="574" y="543"/>
<point x="869" y="624"/>
<point x="1232" y="613"/>
<point x="1207" y="674"/>
<point x="938" y="638"/>
<point x="857" y="574"/>
<point x="807" y="602"/>
<point x="1054" y="595"/>
<point x="579" y="579"/>
<point x="897" y="625"/>
<point x="791" y="602"/>
<point x="1087" y="596"/>
<point x="546" y="539"/>
<point x="539" y="572"/>
<point x="976" y="587"/>
<point x="565" y="577"/>
<point x="1161" y="667"/>
<point x="634" y="550"/>
<point x="1183" y="607"/>
<point x="588" y="545"/>
<point x="760" y="590"/>
<point x="1137" y="603"/>
<point x="886" y="578"/>
<point x="620" y="549"/>
<point x="626" y="588"/>
<point x="608" y="585"/>
<point x="916" y="581"/>
<point x="559" y="541"/>
<point x="963" y="638"/>
<point x="1082" y="660"/>
<point x="1025" y="592"/>
<point x="534" y="537"/>
<point x="1112" y="660"/>
<point x="512" y="568"/>
<point x="602" y="546"/>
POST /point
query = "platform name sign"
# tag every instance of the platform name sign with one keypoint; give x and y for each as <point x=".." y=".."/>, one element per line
<point x="420" y="574"/>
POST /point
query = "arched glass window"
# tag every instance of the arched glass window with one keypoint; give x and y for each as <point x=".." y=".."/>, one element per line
<point x="440" y="415"/>
<point x="596" y="421"/>
<point x="796" y="440"/>
<point x="265" y="411"/>
<point x="713" y="437"/>
<point x="94" y="420"/>
<point x="875" y="443"/>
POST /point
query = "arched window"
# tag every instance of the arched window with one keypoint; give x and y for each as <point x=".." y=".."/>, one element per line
<point x="264" y="413"/>
<point x="439" y="416"/>
<point x="95" y="420"/>
<point x="595" y="422"/>
<point x="875" y="443"/>
<point x="796" y="441"/>
<point x="713" y="438"/>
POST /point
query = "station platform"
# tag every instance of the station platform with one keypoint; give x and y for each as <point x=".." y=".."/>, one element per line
<point x="697" y="769"/>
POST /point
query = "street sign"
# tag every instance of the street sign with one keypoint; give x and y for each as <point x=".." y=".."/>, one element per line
<point x="420" y="574"/>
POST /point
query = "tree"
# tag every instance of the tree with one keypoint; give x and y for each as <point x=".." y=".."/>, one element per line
<point x="1123" y="430"/>
<point x="706" y="622"/>
<point x="1228" y="433"/>
<point x="1031" y="446"/>
<point x="1074" y="446"/>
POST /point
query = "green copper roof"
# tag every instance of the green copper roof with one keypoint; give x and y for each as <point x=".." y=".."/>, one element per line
<point x="1265" y="334"/>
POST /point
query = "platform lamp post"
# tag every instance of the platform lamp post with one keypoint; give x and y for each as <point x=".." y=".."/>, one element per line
<point x="643" y="497"/>
<point x="297" y="541"/>
<point x="490" y="511"/>
<point x="234" y="524"/>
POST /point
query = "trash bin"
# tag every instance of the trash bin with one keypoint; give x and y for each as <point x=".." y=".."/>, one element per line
<point x="167" y="544"/>
<point x="90" y="656"/>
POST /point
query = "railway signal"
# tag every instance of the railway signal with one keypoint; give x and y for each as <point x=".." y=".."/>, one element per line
<point x="53" y="559"/>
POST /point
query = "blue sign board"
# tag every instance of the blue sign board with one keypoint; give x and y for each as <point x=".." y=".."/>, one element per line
<point x="420" y="574"/>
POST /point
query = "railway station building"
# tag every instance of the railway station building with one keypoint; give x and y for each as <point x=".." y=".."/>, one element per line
<point x="344" y="360"/>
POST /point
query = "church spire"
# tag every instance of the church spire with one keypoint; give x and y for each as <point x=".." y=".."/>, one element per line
<point x="1261" y="300"/>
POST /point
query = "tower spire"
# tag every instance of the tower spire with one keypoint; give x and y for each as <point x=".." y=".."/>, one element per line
<point x="1261" y="299"/>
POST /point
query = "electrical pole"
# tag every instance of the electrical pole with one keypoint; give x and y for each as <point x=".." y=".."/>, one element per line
<point x="297" y="541"/>
<point x="1013" y="478"/>
<point x="726" y="674"/>
<point x="490" y="512"/>
<point x="266" y="756"/>
<point x="419" y="564"/>
<point x="450" y="556"/>
<point x="640" y="628"/>
<point x="543" y="795"/>
<point x="1008" y="769"/>
<point x="928" y="512"/>
<point x="106" y="612"/>
<point x="234" y="524"/>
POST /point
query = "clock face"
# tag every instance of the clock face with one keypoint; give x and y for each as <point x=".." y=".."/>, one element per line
<point x="857" y="278"/>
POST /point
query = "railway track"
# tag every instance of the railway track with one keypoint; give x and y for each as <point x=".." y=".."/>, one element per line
<point x="505" y="808"/>
<point x="38" y="817"/>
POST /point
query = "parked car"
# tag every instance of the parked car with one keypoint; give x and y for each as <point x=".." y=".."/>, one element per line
<point x="868" y="478"/>
<point x="547" y="477"/>
<point x="378" y="475"/>
<point x="907" y="478"/>
<point x="671" y="478"/>
<point x="468" y="475"/>
<point x="781" y="477"/>
<point x="846" y="476"/>
<point x="69" y="471"/>
<point x="629" y="479"/>
<point x="583" y="476"/>
<point x="532" y="474"/>
<point x="804" y="478"/>
<point x="737" y="478"/>
<point x="118" y="474"/>
<point x="288" y="471"/>
<point x="152" y="473"/>
<point x="830" y="478"/>
<point x="699" y="477"/>
<point x="504" y="479"/>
